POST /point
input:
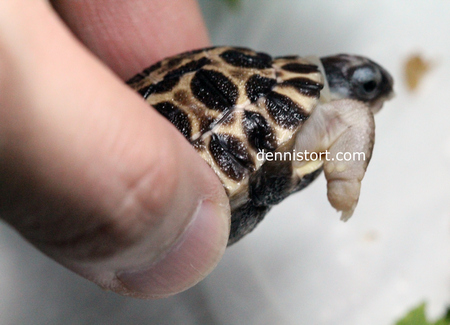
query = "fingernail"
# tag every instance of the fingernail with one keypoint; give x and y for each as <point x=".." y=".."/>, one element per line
<point x="191" y="258"/>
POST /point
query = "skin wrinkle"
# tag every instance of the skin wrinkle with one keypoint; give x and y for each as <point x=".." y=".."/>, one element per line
<point x="96" y="122"/>
<point x="125" y="44"/>
<point x="100" y="242"/>
<point x="111" y="234"/>
<point x="108" y="24"/>
<point x="140" y="192"/>
<point x="168" y="10"/>
<point x="27" y="136"/>
<point x="84" y="179"/>
<point x="86" y="239"/>
<point x="97" y="230"/>
<point x="172" y="245"/>
<point x="115" y="232"/>
<point x="169" y="254"/>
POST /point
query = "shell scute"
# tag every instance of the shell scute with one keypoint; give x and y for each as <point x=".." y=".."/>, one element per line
<point x="258" y="86"/>
<point x="214" y="89"/>
<point x="244" y="58"/>
<point x="231" y="155"/>
<point x="259" y="132"/>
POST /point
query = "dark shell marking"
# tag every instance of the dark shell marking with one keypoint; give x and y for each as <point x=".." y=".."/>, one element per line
<point x="258" y="132"/>
<point x="231" y="103"/>
<point x="243" y="58"/>
<point x="284" y="111"/>
<point x="258" y="86"/>
<point x="214" y="90"/>
<point x="176" y="116"/>
<point x="231" y="156"/>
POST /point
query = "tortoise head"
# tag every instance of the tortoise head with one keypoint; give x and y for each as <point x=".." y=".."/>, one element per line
<point x="356" y="77"/>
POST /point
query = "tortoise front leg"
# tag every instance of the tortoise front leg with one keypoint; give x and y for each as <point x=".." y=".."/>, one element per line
<point x="341" y="129"/>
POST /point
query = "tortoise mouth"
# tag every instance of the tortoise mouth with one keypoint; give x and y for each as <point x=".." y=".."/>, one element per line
<point x="376" y="106"/>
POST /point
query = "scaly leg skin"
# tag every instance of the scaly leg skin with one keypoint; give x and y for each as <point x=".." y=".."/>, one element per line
<point x="338" y="127"/>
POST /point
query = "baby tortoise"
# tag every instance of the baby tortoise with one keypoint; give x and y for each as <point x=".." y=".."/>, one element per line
<point x="239" y="108"/>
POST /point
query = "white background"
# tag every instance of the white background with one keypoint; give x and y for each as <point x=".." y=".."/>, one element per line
<point x="302" y="265"/>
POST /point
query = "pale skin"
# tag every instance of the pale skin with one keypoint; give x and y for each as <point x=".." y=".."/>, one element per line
<point x="339" y="126"/>
<point x="84" y="174"/>
<point x="343" y="123"/>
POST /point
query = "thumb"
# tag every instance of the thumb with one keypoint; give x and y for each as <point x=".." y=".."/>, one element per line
<point x="91" y="175"/>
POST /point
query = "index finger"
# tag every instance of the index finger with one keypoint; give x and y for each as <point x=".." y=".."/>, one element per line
<point x="130" y="35"/>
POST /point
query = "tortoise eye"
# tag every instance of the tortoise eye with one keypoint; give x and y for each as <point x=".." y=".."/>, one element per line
<point x="370" y="86"/>
<point x="366" y="80"/>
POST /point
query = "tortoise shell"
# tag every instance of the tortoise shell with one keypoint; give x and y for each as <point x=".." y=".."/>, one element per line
<point x="231" y="104"/>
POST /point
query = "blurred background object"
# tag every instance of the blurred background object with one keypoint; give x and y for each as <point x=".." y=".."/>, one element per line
<point x="302" y="265"/>
<point x="415" y="69"/>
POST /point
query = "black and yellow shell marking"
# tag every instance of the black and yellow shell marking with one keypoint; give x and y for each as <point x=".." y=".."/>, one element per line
<point x="230" y="104"/>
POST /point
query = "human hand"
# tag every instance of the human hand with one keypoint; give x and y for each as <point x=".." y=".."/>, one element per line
<point x="89" y="173"/>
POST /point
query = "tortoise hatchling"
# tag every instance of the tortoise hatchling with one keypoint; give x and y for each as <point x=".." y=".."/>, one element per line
<point x="239" y="108"/>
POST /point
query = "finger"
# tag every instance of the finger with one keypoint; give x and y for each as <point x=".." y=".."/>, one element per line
<point x="91" y="175"/>
<point x="130" y="35"/>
